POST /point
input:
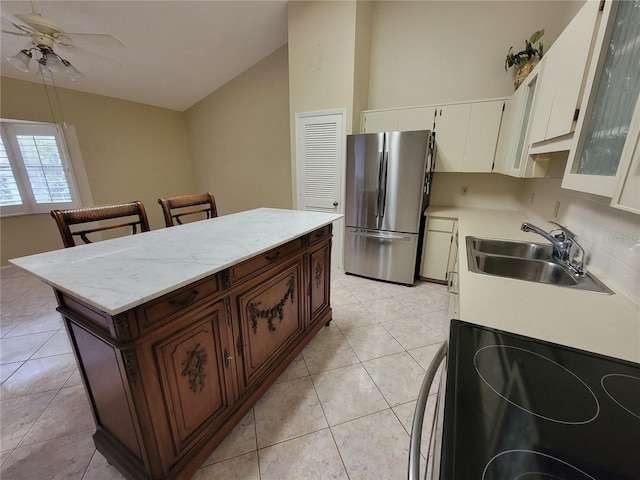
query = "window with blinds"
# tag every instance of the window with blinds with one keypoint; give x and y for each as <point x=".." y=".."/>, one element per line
<point x="35" y="172"/>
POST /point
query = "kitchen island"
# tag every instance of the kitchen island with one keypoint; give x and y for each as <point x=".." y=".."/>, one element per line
<point x="178" y="332"/>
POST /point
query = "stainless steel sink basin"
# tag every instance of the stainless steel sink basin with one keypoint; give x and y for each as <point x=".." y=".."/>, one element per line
<point x="512" y="249"/>
<point x="532" y="262"/>
<point x="524" y="269"/>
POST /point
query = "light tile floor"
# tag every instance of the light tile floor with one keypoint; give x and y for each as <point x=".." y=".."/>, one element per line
<point x="342" y="409"/>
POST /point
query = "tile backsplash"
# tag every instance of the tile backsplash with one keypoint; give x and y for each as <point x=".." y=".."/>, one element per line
<point x="609" y="236"/>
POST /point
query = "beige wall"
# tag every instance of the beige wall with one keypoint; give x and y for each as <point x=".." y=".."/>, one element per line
<point x="362" y="61"/>
<point x="321" y="56"/>
<point x="446" y="51"/>
<point x="239" y="138"/>
<point x="131" y="151"/>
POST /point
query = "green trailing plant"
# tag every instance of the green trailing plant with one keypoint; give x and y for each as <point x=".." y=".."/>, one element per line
<point x="530" y="51"/>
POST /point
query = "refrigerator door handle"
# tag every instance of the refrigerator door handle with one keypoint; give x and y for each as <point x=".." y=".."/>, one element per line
<point x="380" y="161"/>
<point x="383" y="184"/>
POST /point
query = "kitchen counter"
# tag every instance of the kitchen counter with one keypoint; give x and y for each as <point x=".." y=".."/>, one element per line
<point x="122" y="273"/>
<point x="605" y="324"/>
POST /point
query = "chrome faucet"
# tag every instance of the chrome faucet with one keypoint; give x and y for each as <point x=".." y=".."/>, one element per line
<point x="566" y="250"/>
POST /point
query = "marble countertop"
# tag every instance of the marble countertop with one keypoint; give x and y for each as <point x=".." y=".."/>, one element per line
<point x="605" y="324"/>
<point x="116" y="275"/>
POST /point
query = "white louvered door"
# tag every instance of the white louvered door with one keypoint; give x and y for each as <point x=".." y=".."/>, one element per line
<point x="320" y="151"/>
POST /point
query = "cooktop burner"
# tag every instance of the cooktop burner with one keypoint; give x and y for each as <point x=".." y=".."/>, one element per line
<point x="518" y="408"/>
<point x="533" y="382"/>
<point x="529" y="465"/>
<point x="624" y="390"/>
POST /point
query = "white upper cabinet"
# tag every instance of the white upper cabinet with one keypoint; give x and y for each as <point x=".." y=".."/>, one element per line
<point x="403" y="120"/>
<point x="380" y="121"/>
<point x="482" y="137"/>
<point x="513" y="144"/>
<point x="627" y="193"/>
<point x="419" y="118"/>
<point x="612" y="89"/>
<point x="562" y="78"/>
<point x="467" y="135"/>
<point x="452" y="125"/>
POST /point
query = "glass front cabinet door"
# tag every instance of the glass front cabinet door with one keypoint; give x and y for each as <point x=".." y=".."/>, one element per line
<point x="613" y="85"/>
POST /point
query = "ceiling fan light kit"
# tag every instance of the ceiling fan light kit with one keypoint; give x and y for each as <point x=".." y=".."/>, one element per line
<point x="44" y="35"/>
<point x="21" y="60"/>
<point x="49" y="63"/>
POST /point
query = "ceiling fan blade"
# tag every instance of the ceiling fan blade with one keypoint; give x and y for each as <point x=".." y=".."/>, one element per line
<point x="111" y="63"/>
<point x="15" y="21"/>
<point x="97" y="39"/>
<point x="24" y="28"/>
<point x="19" y="34"/>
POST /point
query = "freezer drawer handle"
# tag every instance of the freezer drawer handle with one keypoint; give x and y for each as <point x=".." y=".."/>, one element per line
<point x="381" y="237"/>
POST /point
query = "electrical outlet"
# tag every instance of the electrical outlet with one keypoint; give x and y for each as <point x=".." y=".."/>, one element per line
<point x="464" y="190"/>
<point x="556" y="209"/>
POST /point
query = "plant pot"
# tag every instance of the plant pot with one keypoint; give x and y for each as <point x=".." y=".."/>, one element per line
<point x="523" y="71"/>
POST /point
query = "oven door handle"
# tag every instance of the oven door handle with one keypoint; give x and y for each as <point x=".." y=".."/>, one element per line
<point x="418" y="415"/>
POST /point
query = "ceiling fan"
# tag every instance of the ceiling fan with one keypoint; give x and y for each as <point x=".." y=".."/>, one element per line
<point x="44" y="36"/>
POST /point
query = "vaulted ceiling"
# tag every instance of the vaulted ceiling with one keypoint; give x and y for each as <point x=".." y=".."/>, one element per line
<point x="175" y="54"/>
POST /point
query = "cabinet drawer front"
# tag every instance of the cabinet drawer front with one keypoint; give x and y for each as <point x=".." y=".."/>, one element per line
<point x="165" y="306"/>
<point x="440" y="225"/>
<point x="261" y="261"/>
<point x="319" y="234"/>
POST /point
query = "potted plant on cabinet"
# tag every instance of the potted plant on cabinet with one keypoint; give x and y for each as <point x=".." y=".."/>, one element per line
<point x="525" y="60"/>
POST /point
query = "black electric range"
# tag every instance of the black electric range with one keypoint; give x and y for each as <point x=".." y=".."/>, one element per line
<point x="518" y="408"/>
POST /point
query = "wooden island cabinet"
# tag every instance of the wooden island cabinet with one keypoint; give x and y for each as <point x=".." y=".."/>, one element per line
<point x="170" y="376"/>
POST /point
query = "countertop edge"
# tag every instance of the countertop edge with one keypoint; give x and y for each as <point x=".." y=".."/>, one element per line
<point x="26" y="263"/>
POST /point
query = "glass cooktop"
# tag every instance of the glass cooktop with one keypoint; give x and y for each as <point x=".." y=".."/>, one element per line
<point x="518" y="408"/>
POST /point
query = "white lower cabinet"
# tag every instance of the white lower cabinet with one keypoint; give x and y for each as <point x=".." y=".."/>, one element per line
<point x="437" y="259"/>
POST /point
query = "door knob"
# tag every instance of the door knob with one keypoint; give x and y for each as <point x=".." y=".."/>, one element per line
<point x="335" y="204"/>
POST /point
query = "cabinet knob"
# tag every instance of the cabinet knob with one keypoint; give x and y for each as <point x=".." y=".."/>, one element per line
<point x="335" y="204"/>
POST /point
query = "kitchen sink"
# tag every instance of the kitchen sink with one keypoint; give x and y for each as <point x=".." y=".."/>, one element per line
<point x="512" y="249"/>
<point x="525" y="269"/>
<point x="532" y="262"/>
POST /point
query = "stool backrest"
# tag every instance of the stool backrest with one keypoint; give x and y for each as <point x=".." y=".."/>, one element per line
<point x="133" y="215"/>
<point x="174" y="208"/>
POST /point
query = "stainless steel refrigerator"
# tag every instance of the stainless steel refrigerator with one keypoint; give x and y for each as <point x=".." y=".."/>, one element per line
<point x="388" y="186"/>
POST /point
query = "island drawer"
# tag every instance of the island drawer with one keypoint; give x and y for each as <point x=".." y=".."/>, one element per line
<point x="259" y="262"/>
<point x="320" y="234"/>
<point x="163" y="307"/>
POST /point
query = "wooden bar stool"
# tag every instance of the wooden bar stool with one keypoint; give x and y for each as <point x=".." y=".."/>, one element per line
<point x="66" y="218"/>
<point x="174" y="208"/>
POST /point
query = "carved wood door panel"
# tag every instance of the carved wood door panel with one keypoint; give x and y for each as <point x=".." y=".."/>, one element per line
<point x="195" y="375"/>
<point x="320" y="271"/>
<point x="271" y="320"/>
